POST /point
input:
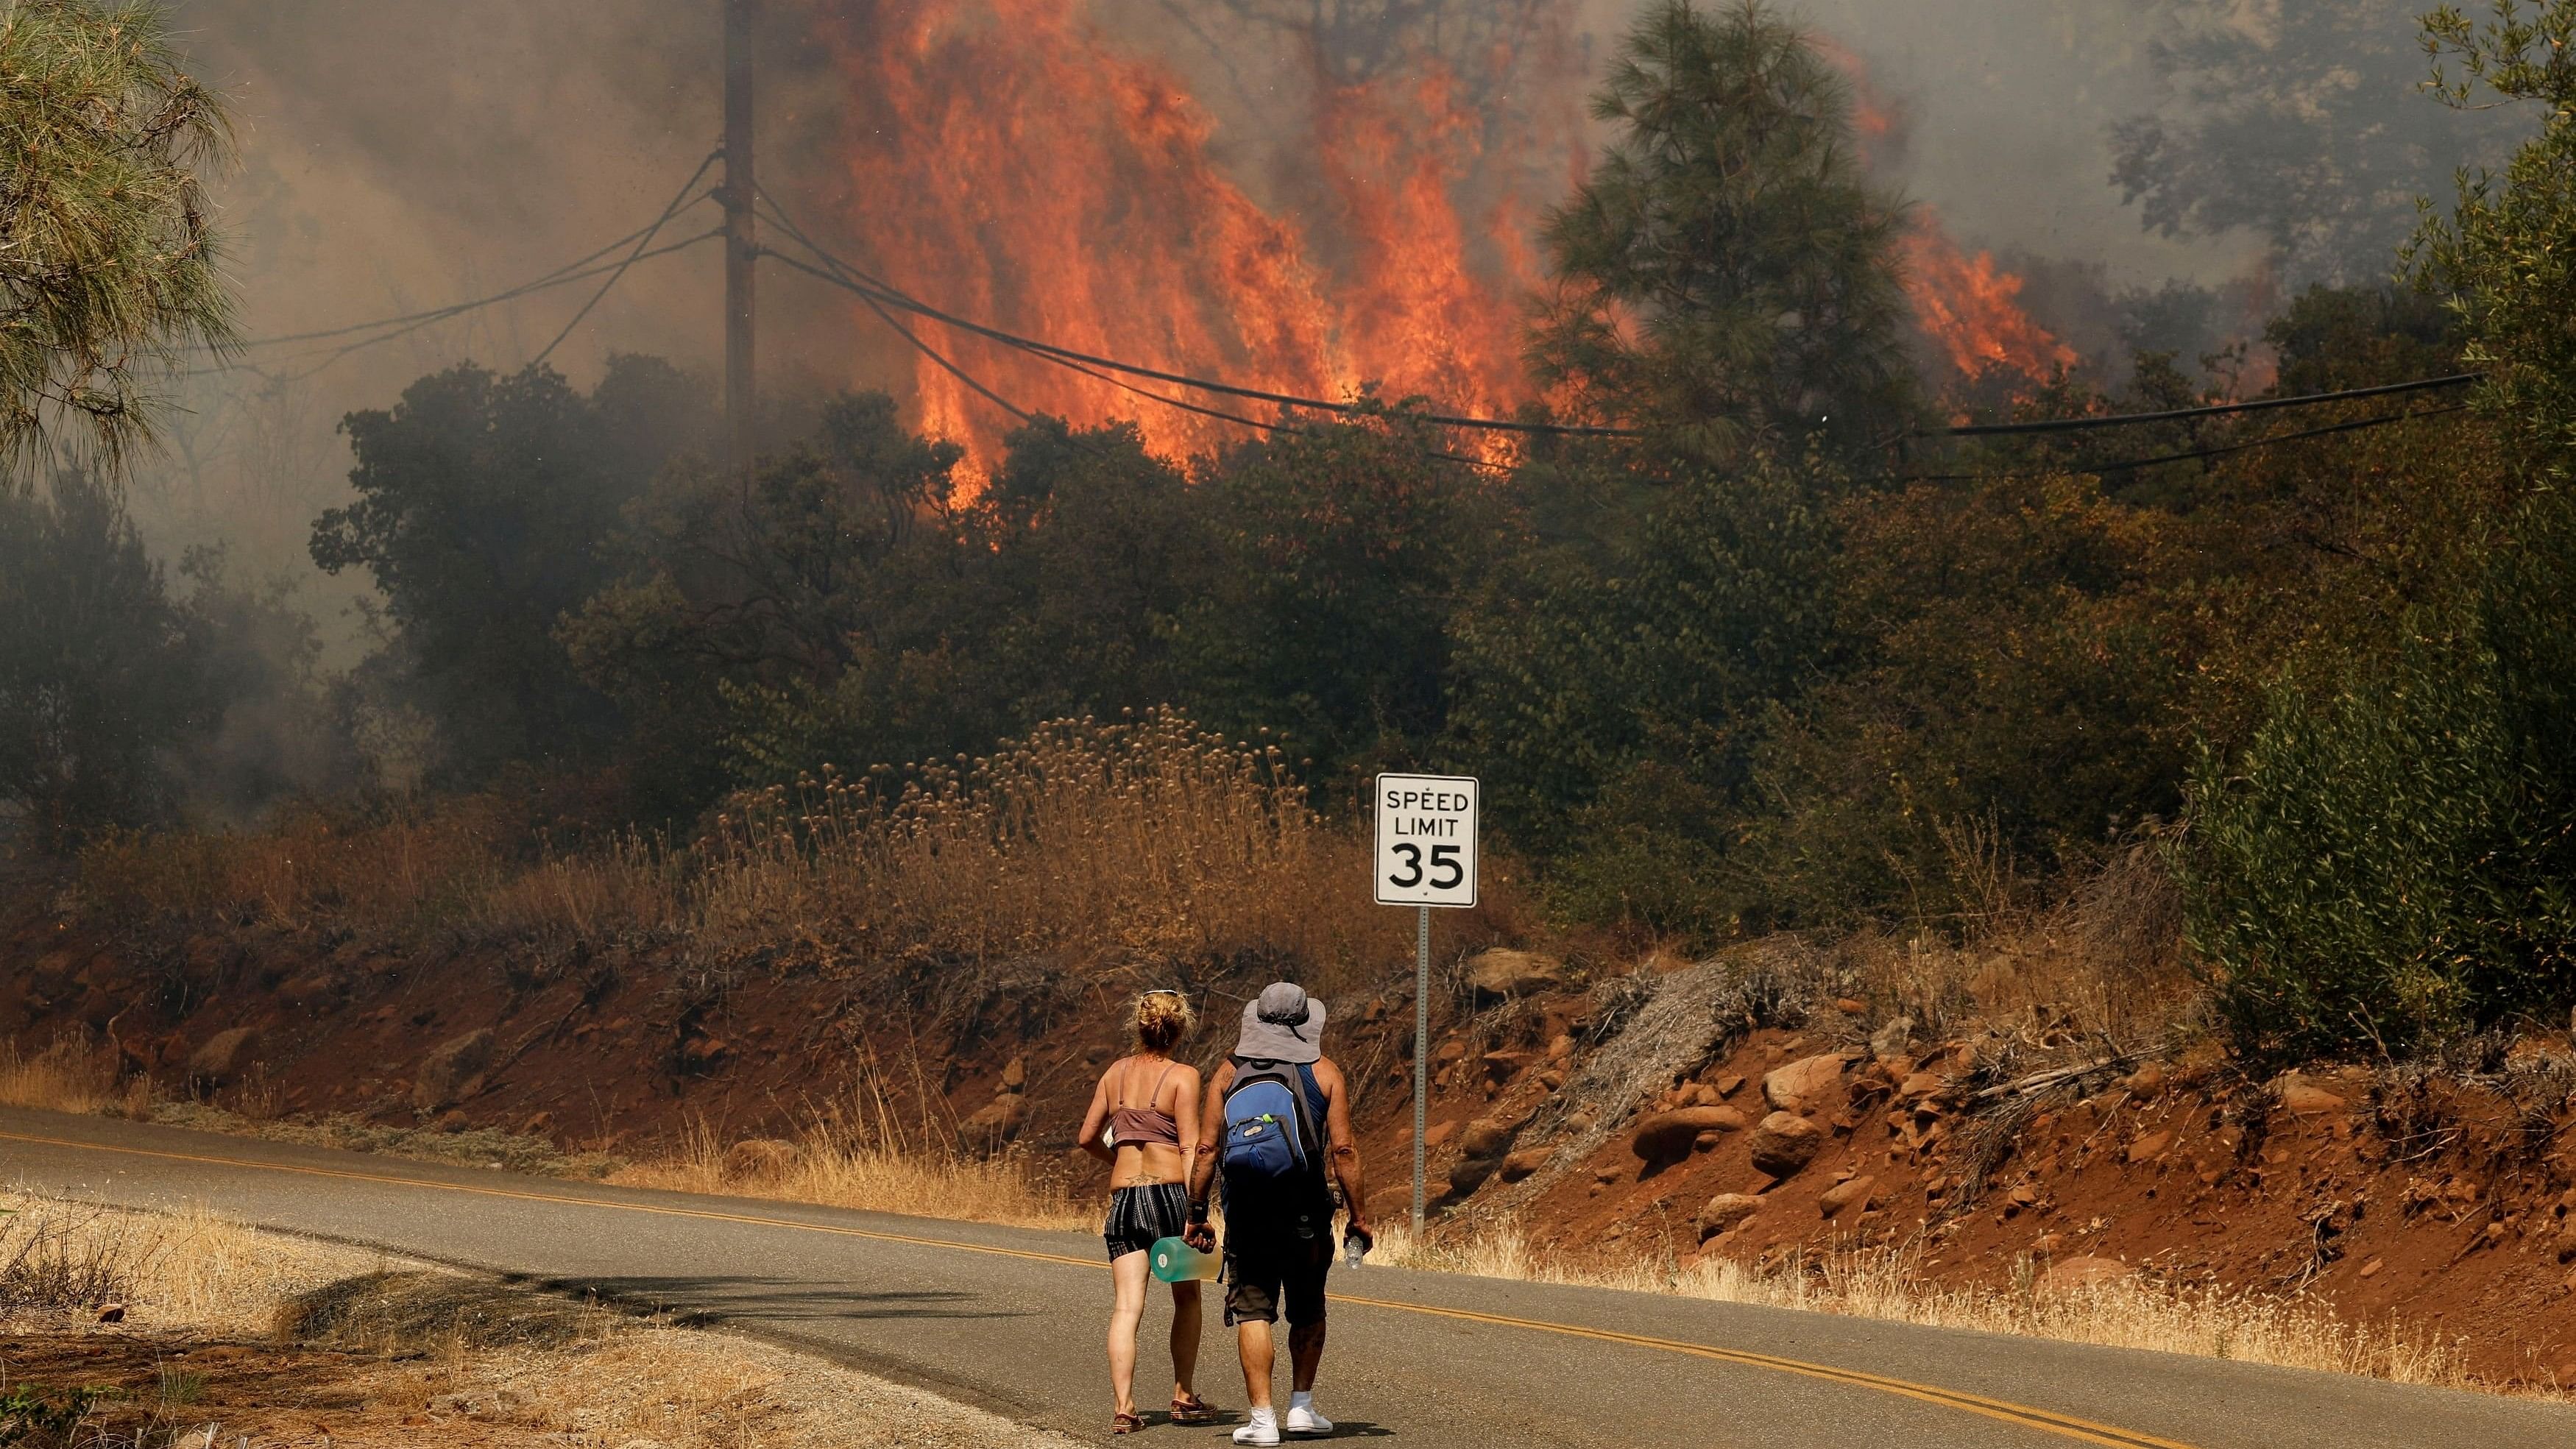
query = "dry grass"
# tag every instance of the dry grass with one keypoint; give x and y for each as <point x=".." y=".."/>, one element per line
<point x="421" y="867"/>
<point x="690" y="1390"/>
<point x="1145" y="837"/>
<point x="69" y="1076"/>
<point x="2099" y="958"/>
<point x="1141" y="838"/>
<point x="846" y="1160"/>
<point x="189" y="1267"/>
<point x="382" y="1354"/>
<point x="1889" y="1284"/>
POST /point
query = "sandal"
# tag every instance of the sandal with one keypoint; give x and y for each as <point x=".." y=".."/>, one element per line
<point x="1126" y="1424"/>
<point x="1192" y="1410"/>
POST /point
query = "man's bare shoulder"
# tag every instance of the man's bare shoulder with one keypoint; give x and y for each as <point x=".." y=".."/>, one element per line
<point x="1328" y="1074"/>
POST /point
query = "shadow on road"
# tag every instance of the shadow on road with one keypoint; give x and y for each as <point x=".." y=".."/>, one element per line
<point x="784" y="1298"/>
<point x="1228" y="1418"/>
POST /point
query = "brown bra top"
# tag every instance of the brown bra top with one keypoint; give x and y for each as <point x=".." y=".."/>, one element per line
<point x="1140" y="1125"/>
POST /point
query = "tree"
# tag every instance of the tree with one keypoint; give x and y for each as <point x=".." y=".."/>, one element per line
<point x="2391" y="857"/>
<point x="2296" y="123"/>
<point x="1081" y="556"/>
<point x="2387" y="859"/>
<point x="1727" y="274"/>
<point x="1342" y="552"/>
<point x="2017" y="652"/>
<point x="98" y="679"/>
<point x="109" y="264"/>
<point x="2501" y="260"/>
<point x="277" y="725"/>
<point x="1352" y="42"/>
<point x="1613" y="698"/>
<point x="483" y="504"/>
<point x="753" y="633"/>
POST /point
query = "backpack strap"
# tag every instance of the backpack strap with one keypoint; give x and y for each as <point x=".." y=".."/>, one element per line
<point x="1317" y="1103"/>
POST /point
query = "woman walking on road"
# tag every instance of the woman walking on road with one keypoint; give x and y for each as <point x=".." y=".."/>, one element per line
<point x="1144" y="1122"/>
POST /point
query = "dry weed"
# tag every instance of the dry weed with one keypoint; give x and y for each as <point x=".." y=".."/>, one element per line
<point x="683" y="1389"/>
<point x="1144" y="838"/>
<point x="310" y="868"/>
<point x="846" y="1161"/>
<point x="68" y="1076"/>
<point x="188" y="1267"/>
<point x="462" y="1355"/>
<point x="2101" y="959"/>
<point x="1889" y="1283"/>
<point x="475" y="1147"/>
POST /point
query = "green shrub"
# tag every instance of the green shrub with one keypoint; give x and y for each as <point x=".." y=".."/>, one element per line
<point x="2393" y="856"/>
<point x="38" y="1417"/>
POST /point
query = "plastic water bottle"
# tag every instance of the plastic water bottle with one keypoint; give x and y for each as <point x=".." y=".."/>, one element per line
<point x="1355" y="1246"/>
<point x="1175" y="1261"/>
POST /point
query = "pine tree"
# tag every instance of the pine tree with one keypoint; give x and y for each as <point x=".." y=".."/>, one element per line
<point x="108" y="259"/>
<point x="1727" y="274"/>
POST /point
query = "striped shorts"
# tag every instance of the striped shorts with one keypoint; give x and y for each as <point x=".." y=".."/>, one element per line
<point x="1140" y="1216"/>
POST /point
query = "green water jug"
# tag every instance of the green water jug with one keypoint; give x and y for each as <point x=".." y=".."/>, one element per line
<point x="1177" y="1262"/>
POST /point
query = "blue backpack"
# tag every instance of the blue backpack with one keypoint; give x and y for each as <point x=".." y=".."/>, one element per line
<point x="1270" y="1138"/>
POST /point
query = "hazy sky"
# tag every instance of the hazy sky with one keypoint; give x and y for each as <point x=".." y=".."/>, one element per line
<point x="2007" y="106"/>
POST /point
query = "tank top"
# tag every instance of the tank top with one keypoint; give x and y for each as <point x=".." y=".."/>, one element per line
<point x="1140" y="1125"/>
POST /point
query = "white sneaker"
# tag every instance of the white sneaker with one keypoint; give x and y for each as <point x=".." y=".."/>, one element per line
<point x="1308" y="1419"/>
<point x="1264" y="1429"/>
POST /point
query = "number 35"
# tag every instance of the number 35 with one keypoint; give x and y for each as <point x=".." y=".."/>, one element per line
<point x="1443" y="858"/>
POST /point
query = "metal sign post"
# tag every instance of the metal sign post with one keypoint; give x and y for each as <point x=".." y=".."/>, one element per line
<point x="1426" y="857"/>
<point x="1421" y="1051"/>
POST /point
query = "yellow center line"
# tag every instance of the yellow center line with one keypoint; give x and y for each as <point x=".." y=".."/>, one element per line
<point x="2022" y="1415"/>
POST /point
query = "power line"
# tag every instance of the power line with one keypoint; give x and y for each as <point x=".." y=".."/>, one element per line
<point x="2119" y="420"/>
<point x="427" y="319"/>
<point x="779" y="217"/>
<point x="856" y="280"/>
<point x="579" y="269"/>
<point x="452" y="310"/>
<point x="850" y="278"/>
<point x="906" y="333"/>
<point x="890" y="295"/>
<point x="2132" y="464"/>
<point x="844" y="274"/>
<point x="679" y="202"/>
<point x="881" y="295"/>
<point x="1023" y="414"/>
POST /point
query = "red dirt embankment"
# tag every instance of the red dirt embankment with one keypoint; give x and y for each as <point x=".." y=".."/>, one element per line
<point x="1663" y="1114"/>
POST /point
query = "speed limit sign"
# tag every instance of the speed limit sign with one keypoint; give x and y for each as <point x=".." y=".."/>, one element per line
<point x="1426" y="856"/>
<point x="1426" y="840"/>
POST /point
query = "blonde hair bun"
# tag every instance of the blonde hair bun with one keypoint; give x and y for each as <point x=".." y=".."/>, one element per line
<point x="1162" y="1018"/>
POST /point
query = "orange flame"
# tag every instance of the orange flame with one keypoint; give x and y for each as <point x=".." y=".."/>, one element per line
<point x="1008" y="163"/>
<point x="1966" y="305"/>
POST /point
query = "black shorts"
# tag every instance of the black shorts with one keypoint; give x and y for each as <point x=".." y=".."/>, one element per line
<point x="1261" y="1269"/>
<point x="1141" y="1216"/>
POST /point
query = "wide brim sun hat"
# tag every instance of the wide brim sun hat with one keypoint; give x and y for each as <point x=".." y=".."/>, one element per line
<point x="1282" y="1024"/>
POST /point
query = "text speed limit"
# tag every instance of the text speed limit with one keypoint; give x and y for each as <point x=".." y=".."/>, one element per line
<point x="1426" y="840"/>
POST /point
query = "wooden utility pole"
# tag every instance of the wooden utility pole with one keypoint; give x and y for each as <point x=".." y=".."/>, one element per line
<point x="742" y="240"/>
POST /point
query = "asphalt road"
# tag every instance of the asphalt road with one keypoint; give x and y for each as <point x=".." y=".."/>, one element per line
<point x="1011" y="1320"/>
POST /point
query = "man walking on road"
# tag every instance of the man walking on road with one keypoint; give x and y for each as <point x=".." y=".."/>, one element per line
<point x="1278" y="1121"/>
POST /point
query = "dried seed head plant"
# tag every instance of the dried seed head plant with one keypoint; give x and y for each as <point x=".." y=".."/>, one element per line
<point x="1140" y="837"/>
